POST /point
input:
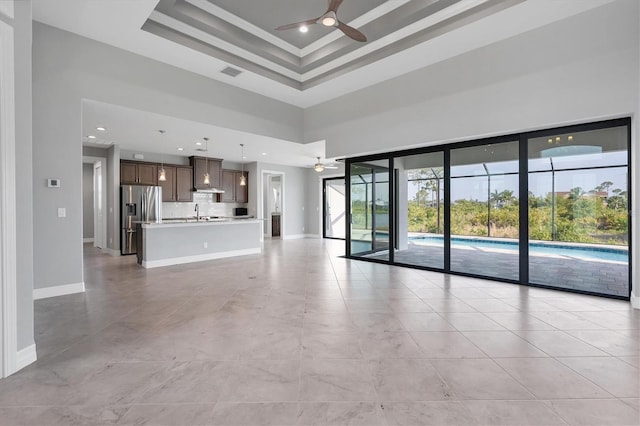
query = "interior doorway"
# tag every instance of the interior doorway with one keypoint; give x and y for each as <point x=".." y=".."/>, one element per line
<point x="94" y="203"/>
<point x="272" y="203"/>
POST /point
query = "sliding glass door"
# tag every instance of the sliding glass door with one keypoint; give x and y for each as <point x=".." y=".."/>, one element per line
<point x="420" y="207"/>
<point x="578" y="211"/>
<point x="334" y="194"/>
<point x="485" y="209"/>
<point x="546" y="208"/>
<point x="370" y="209"/>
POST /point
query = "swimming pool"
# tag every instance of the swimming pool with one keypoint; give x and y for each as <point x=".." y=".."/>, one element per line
<point x="536" y="248"/>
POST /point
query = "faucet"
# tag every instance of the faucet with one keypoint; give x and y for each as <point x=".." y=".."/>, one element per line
<point x="197" y="210"/>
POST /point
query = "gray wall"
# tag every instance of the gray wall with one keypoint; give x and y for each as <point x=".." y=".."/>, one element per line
<point x="154" y="157"/>
<point x="68" y="68"/>
<point x="24" y="180"/>
<point x="87" y="200"/>
<point x="574" y="70"/>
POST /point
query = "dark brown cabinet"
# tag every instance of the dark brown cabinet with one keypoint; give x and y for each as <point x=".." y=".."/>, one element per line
<point x="184" y="183"/>
<point x="169" y="186"/>
<point x="202" y="165"/>
<point x="275" y="225"/>
<point x="179" y="184"/>
<point x="135" y="173"/>
<point x="233" y="191"/>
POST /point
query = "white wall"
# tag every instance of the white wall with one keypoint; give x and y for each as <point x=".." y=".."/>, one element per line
<point x="69" y="68"/>
<point x="580" y="69"/>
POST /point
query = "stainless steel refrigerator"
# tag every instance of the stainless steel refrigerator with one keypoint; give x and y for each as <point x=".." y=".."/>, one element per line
<point x="138" y="204"/>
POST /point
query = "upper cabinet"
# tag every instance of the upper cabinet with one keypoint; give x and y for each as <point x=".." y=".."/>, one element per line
<point x="136" y="173"/>
<point x="178" y="185"/>
<point x="233" y="191"/>
<point x="202" y="165"/>
<point x="184" y="183"/>
<point x="169" y="185"/>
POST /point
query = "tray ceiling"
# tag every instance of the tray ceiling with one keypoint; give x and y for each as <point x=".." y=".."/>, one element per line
<point x="242" y="33"/>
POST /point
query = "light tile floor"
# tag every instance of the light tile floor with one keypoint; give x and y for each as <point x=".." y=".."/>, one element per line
<point x="300" y="336"/>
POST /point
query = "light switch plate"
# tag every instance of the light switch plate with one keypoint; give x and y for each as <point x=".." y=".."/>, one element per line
<point x="62" y="212"/>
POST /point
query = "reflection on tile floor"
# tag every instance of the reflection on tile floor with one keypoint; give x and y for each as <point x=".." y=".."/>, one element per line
<point x="610" y="278"/>
<point x="300" y="336"/>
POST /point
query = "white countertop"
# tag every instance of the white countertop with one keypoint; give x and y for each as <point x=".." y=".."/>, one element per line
<point x="178" y="223"/>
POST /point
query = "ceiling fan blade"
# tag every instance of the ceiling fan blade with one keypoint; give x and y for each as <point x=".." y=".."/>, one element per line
<point x="334" y="5"/>
<point x="351" y="32"/>
<point x="297" y="25"/>
<point x="331" y="167"/>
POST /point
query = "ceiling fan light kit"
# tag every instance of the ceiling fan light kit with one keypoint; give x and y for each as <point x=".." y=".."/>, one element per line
<point x="328" y="19"/>
<point x="320" y="167"/>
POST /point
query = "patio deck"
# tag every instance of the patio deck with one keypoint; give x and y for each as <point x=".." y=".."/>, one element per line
<point x="609" y="278"/>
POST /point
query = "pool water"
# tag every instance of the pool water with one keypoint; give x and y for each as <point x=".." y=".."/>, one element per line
<point x="581" y="252"/>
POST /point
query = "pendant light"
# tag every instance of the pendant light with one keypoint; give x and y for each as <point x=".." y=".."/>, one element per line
<point x="162" y="174"/>
<point x="206" y="180"/>
<point x="243" y="179"/>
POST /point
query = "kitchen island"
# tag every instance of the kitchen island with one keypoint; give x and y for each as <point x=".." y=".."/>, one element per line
<point x="177" y="242"/>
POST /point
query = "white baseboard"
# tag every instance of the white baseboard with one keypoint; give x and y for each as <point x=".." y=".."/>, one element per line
<point x="292" y="236"/>
<point x="26" y="356"/>
<point x="635" y="299"/>
<point x="299" y="236"/>
<point x="58" y="290"/>
<point x="111" y="252"/>
<point x="87" y="240"/>
<point x="198" y="258"/>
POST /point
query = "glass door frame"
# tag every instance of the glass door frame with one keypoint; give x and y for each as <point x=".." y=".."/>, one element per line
<point x="523" y="186"/>
<point x="392" y="208"/>
<point x="324" y="206"/>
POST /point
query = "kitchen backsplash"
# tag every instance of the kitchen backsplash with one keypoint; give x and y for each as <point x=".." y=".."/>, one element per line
<point x="207" y="207"/>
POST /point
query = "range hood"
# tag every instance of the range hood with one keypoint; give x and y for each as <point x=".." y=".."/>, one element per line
<point x="210" y="191"/>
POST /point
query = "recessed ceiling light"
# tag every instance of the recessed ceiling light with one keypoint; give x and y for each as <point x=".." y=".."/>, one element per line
<point x="264" y="153"/>
<point x="244" y="157"/>
<point x="199" y="143"/>
<point x="304" y="29"/>
<point x="180" y="149"/>
<point x="101" y="129"/>
<point x="91" y="137"/>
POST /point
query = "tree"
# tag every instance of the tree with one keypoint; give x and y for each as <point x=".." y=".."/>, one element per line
<point x="502" y="199"/>
<point x="576" y="193"/>
<point x="604" y="187"/>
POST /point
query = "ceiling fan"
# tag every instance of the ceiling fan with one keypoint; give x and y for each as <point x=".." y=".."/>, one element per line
<point x="319" y="167"/>
<point x="328" y="19"/>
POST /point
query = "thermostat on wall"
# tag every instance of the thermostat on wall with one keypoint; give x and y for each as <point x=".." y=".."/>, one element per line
<point x="53" y="183"/>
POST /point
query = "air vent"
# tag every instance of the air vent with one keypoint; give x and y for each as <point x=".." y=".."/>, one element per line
<point x="233" y="72"/>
